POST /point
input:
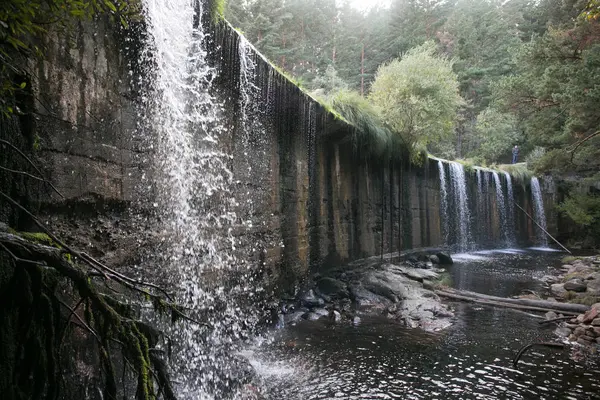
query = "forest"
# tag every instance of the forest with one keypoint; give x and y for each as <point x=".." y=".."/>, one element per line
<point x="466" y="79"/>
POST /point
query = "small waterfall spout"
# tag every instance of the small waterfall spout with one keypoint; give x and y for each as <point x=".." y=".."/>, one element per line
<point x="501" y="206"/>
<point x="461" y="204"/>
<point x="539" y="214"/>
<point x="443" y="202"/>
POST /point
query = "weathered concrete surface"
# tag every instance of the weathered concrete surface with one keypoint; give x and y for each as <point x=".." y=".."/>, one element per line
<point x="316" y="200"/>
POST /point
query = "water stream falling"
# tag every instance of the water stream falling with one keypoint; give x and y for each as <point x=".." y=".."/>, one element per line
<point x="539" y="214"/>
<point x="510" y="202"/>
<point x="443" y="202"/>
<point x="194" y="204"/>
<point x="461" y="204"/>
<point x="501" y="207"/>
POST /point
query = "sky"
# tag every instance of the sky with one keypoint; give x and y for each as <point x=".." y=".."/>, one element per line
<point x="366" y="4"/>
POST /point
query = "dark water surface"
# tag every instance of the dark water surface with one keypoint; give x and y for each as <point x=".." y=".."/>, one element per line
<point x="380" y="359"/>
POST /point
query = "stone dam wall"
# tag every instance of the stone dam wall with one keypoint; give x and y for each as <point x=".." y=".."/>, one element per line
<point x="314" y="199"/>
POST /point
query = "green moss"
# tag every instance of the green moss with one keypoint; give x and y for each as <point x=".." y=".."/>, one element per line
<point x="217" y="10"/>
<point x="519" y="172"/>
<point x="444" y="281"/>
<point x="570" y="295"/>
<point x="587" y="299"/>
<point x="39" y="238"/>
<point x="569" y="259"/>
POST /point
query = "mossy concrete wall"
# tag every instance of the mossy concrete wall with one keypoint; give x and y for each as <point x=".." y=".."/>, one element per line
<point x="314" y="199"/>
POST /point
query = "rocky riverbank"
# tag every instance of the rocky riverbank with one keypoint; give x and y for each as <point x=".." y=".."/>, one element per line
<point x="402" y="291"/>
<point x="577" y="281"/>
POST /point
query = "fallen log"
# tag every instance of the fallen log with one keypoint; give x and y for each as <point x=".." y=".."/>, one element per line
<point x="522" y="304"/>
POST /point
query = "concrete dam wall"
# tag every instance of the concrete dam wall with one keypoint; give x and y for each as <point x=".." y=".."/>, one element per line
<point x="307" y="197"/>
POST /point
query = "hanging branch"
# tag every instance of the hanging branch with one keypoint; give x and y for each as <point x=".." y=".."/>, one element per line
<point x="579" y="143"/>
<point x="42" y="178"/>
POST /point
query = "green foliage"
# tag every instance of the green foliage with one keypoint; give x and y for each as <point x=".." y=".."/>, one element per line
<point x="371" y="137"/>
<point x="217" y="10"/>
<point x="583" y="209"/>
<point x="520" y="172"/>
<point x="418" y="96"/>
<point x="326" y="85"/>
<point x="533" y="158"/>
<point x="496" y="134"/>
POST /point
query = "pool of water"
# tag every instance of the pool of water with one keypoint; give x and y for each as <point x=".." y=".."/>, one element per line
<point x="379" y="359"/>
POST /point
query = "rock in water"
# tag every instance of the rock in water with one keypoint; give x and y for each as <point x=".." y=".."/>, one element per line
<point x="333" y="288"/>
<point x="434" y="259"/>
<point x="445" y="258"/>
<point x="309" y="299"/>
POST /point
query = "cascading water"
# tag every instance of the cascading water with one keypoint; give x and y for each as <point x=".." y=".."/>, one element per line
<point x="538" y="208"/>
<point x="443" y="202"/>
<point x="501" y="207"/>
<point x="510" y="202"/>
<point x="481" y="205"/>
<point x="193" y="200"/>
<point x="461" y="203"/>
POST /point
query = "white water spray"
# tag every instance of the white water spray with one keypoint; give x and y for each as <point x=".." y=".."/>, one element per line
<point x="538" y="208"/>
<point x="501" y="207"/>
<point x="463" y="216"/>
<point x="510" y="202"/>
<point x="193" y="200"/>
<point x="443" y="202"/>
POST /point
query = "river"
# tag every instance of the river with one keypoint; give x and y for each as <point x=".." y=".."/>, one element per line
<point x="379" y="359"/>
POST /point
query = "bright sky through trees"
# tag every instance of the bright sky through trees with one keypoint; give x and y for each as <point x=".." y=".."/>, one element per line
<point x="367" y="4"/>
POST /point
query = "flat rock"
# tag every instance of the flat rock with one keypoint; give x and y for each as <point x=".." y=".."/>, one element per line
<point x="549" y="279"/>
<point x="562" y="331"/>
<point x="365" y="299"/>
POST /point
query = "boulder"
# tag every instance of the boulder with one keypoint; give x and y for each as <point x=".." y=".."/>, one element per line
<point x="356" y="321"/>
<point x="563" y="331"/>
<point x="293" y="317"/>
<point x="445" y="258"/>
<point x="590" y="315"/>
<point x="558" y="289"/>
<point x="333" y="288"/>
<point x="434" y="259"/>
<point x="593" y="287"/>
<point x="596" y="322"/>
<point x="551" y="315"/>
<point x="575" y="285"/>
<point x="309" y="299"/>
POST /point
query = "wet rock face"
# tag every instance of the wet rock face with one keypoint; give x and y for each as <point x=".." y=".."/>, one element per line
<point x="393" y="290"/>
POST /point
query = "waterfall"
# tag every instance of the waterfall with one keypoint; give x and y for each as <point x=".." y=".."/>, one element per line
<point x="501" y="207"/>
<point x="191" y="183"/>
<point x="539" y="214"/>
<point x="461" y="203"/>
<point x="481" y="208"/>
<point x="443" y="202"/>
<point x="510" y="202"/>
